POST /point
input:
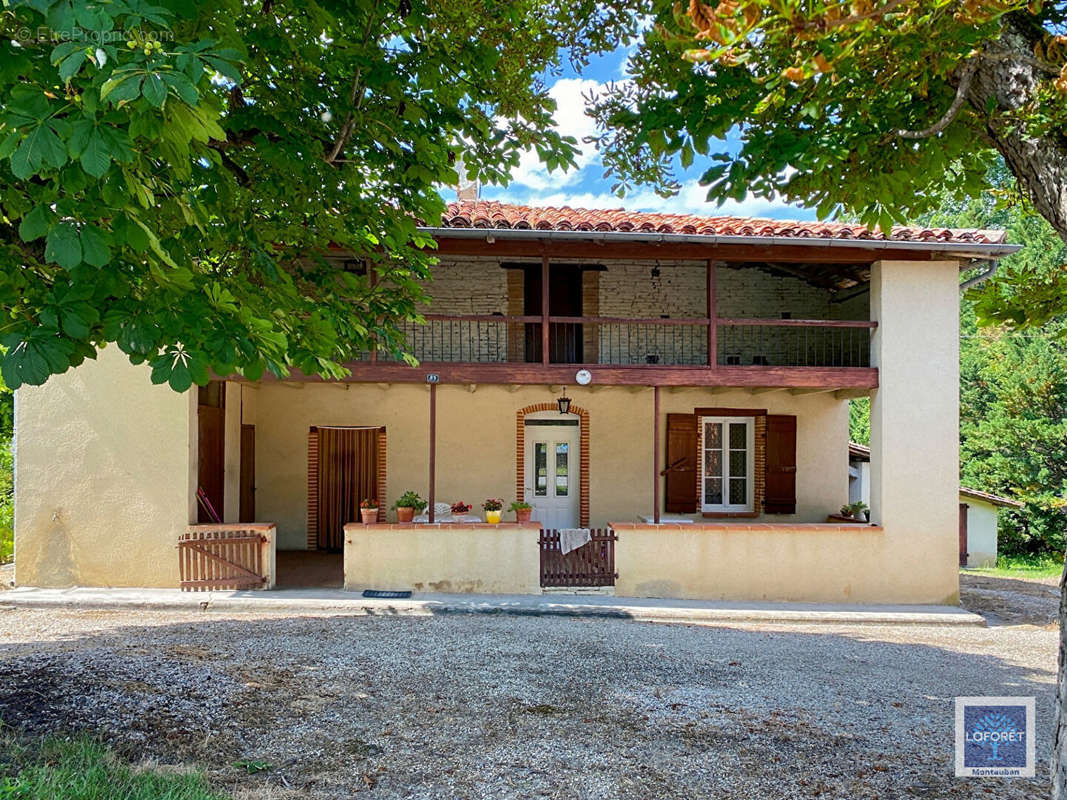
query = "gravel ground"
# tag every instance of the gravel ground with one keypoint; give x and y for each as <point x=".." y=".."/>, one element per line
<point x="514" y="707"/>
<point x="1011" y="601"/>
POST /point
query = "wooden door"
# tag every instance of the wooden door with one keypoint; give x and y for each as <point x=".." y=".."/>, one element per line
<point x="680" y="472"/>
<point x="963" y="534"/>
<point x="552" y="460"/>
<point x="781" y="480"/>
<point x="346" y="473"/>
<point x="565" y="339"/>
<point x="248" y="473"/>
<point x="211" y="444"/>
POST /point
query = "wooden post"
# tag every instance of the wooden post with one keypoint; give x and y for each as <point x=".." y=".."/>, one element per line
<point x="713" y="315"/>
<point x="544" y="309"/>
<point x="655" y="454"/>
<point x="433" y="450"/>
<point x="372" y="279"/>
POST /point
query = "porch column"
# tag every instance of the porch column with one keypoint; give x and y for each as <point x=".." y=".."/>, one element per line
<point x="915" y="425"/>
<point x="711" y="283"/>
<point x="544" y="309"/>
<point x="433" y="451"/>
<point x="655" y="455"/>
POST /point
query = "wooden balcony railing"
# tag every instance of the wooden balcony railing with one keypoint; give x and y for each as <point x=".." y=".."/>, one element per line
<point x="618" y="341"/>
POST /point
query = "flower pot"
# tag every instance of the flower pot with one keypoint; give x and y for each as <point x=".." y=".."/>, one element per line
<point x="368" y="515"/>
<point x="493" y="517"/>
<point x="523" y="514"/>
<point x="405" y="513"/>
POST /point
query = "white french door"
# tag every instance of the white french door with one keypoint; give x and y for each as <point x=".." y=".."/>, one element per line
<point x="552" y="471"/>
<point x="726" y="470"/>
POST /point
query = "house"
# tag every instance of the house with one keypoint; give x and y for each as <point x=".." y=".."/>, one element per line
<point x="978" y="516"/>
<point x="679" y="384"/>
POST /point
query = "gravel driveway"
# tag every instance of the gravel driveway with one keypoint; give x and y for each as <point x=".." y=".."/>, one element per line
<point x="511" y="707"/>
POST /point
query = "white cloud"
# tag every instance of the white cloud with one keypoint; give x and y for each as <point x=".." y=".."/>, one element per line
<point x="571" y="120"/>
<point x="690" y="200"/>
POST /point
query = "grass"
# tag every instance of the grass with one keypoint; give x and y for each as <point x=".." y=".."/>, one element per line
<point x="1043" y="566"/>
<point x="83" y="769"/>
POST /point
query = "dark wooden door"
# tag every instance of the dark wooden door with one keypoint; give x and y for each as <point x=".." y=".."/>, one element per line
<point x="781" y="481"/>
<point x="681" y="469"/>
<point x="963" y="534"/>
<point x="346" y="473"/>
<point x="248" y="473"/>
<point x="564" y="300"/>
<point x="211" y="443"/>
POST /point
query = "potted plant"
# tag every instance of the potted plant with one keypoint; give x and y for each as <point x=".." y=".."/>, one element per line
<point x="460" y="508"/>
<point x="522" y="510"/>
<point x="855" y="511"/>
<point x="408" y="505"/>
<point x="493" y="510"/>
<point x="368" y="511"/>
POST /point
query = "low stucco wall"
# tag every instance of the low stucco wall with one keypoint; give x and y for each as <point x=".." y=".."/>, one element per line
<point x="480" y="559"/>
<point x="830" y="563"/>
<point x="981" y="533"/>
<point x="104" y="461"/>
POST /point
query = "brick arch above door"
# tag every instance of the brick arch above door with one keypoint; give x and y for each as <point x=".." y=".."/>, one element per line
<point x="583" y="454"/>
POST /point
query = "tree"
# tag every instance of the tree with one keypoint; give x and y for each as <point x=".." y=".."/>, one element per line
<point x="234" y="187"/>
<point x="872" y="108"/>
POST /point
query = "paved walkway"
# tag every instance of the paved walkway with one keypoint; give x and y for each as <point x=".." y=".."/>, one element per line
<point x="576" y="605"/>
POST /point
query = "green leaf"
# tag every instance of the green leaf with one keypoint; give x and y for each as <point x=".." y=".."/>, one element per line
<point x="154" y="90"/>
<point x="96" y="248"/>
<point x="70" y="66"/>
<point x="63" y="245"/>
<point x="180" y="377"/>
<point x="36" y="223"/>
<point x="96" y="157"/>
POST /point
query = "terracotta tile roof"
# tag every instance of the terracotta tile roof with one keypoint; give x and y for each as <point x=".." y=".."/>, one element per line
<point x="494" y="215"/>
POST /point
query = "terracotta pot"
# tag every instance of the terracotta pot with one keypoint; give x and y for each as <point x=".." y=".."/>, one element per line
<point x="523" y="514"/>
<point x="405" y="513"/>
<point x="368" y="515"/>
<point x="493" y="517"/>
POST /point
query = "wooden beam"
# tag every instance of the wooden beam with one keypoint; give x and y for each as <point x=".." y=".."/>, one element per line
<point x="672" y="251"/>
<point x="765" y="389"/>
<point x="799" y="323"/>
<point x="848" y="394"/>
<point x="655" y="455"/>
<point x="433" y="451"/>
<point x="544" y="308"/>
<point x="639" y="375"/>
<point x="711" y="283"/>
<point x="810" y="390"/>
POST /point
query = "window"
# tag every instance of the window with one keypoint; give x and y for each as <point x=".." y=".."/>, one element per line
<point x="726" y="483"/>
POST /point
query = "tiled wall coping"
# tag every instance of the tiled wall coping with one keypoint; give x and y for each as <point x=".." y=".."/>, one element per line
<point x="750" y="527"/>
<point x="459" y="526"/>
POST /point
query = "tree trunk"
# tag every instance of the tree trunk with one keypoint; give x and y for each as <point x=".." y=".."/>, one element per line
<point x="1005" y="79"/>
<point x="1059" y="738"/>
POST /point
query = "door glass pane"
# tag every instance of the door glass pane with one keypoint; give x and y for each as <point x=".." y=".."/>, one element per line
<point x="738" y="459"/>
<point x="713" y="435"/>
<point x="562" y="473"/>
<point x="540" y="469"/>
<point x="738" y="435"/>
<point x="738" y="491"/>
<point x="713" y="491"/>
<point x="712" y="462"/>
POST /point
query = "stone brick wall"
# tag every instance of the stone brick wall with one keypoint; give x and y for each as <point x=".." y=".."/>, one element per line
<point x="631" y="289"/>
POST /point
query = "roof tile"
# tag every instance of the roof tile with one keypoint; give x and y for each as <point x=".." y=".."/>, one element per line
<point x="491" y="214"/>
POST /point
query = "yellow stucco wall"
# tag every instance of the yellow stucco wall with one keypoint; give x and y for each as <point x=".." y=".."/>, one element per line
<point x="476" y="443"/>
<point x="915" y="425"/>
<point x="738" y="561"/>
<point x="102" y="460"/>
<point x="499" y="559"/>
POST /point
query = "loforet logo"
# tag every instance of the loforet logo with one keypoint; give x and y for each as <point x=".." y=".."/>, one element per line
<point x="995" y="737"/>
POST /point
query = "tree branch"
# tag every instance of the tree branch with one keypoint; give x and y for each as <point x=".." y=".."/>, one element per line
<point x="357" y="91"/>
<point x="953" y="110"/>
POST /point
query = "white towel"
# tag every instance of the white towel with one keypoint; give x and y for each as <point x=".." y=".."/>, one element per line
<point x="573" y="538"/>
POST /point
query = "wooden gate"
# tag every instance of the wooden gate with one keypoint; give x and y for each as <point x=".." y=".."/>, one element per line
<point x="592" y="564"/>
<point x="228" y="558"/>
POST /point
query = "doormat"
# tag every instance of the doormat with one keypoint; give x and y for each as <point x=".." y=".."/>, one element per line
<point x="386" y="594"/>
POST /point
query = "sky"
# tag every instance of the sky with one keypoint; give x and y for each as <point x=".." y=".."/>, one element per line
<point x="585" y="186"/>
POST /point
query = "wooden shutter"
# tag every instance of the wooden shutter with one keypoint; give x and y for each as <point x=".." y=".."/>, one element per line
<point x="347" y="473"/>
<point x="781" y="489"/>
<point x="681" y="467"/>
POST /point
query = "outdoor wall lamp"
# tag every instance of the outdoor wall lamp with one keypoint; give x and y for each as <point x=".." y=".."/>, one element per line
<point x="564" y="404"/>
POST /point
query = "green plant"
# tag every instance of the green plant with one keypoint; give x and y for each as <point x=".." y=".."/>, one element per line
<point x="493" y="505"/>
<point x="854" y="509"/>
<point x="460" y="507"/>
<point x="410" y="499"/>
<point x="252" y="766"/>
<point x="519" y="505"/>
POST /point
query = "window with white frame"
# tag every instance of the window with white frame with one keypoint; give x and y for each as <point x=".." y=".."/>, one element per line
<point x="726" y="464"/>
